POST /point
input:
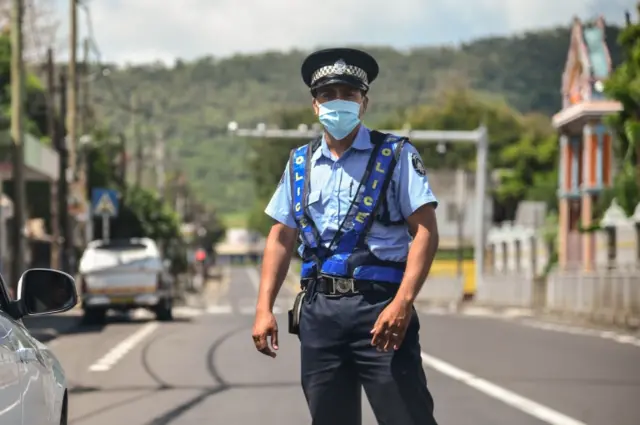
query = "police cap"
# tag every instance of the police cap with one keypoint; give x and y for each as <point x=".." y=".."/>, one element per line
<point x="339" y="66"/>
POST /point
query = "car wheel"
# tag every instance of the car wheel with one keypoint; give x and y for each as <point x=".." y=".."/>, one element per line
<point x="94" y="316"/>
<point x="164" y="310"/>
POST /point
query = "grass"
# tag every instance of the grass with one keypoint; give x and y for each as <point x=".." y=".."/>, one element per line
<point x="236" y="220"/>
<point x="452" y="254"/>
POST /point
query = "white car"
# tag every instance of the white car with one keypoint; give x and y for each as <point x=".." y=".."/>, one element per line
<point x="124" y="274"/>
<point x="33" y="387"/>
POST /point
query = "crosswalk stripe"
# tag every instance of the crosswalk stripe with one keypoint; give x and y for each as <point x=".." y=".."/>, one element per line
<point x="219" y="309"/>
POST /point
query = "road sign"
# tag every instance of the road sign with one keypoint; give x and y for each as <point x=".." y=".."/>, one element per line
<point x="104" y="202"/>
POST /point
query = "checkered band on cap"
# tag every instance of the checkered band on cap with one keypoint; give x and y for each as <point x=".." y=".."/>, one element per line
<point x="340" y="68"/>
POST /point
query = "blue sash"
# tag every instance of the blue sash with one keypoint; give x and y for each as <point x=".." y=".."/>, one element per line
<point x="377" y="178"/>
<point x="299" y="184"/>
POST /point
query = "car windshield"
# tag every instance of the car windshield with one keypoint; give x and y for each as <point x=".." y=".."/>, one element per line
<point x="121" y="245"/>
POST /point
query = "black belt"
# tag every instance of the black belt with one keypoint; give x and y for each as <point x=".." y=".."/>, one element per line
<point x="331" y="285"/>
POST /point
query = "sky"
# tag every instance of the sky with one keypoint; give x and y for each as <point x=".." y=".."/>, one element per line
<point x="136" y="31"/>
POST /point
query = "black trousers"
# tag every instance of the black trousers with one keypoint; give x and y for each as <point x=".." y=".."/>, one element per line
<point x="338" y="360"/>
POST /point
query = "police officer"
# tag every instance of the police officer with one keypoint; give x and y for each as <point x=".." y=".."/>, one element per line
<point x="361" y="205"/>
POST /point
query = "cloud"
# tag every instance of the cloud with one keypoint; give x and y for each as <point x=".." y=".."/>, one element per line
<point x="146" y="30"/>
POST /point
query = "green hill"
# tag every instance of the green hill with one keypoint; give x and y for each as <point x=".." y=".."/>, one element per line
<point x="194" y="101"/>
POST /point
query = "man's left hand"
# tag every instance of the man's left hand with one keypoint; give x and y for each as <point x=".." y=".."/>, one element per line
<point x="391" y="326"/>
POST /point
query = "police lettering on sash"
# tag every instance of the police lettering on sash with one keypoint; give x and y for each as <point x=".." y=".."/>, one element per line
<point x="417" y="164"/>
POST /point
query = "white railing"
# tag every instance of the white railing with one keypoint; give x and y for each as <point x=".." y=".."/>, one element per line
<point x="441" y="290"/>
<point x="611" y="296"/>
<point x="506" y="290"/>
<point x="605" y="294"/>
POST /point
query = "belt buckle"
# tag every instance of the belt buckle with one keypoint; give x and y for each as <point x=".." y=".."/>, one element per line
<point x="343" y="286"/>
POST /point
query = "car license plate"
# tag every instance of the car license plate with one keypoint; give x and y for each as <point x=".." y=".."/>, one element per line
<point x="121" y="300"/>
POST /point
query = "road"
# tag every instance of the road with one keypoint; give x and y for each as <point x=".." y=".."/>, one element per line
<point x="202" y="368"/>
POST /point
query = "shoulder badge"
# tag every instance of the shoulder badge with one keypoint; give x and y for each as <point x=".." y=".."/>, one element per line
<point x="417" y="164"/>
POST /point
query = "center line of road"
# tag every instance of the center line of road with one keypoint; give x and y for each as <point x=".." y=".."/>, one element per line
<point x="517" y="401"/>
<point x="120" y="350"/>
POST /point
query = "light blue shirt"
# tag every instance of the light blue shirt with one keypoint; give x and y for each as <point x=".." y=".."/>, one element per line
<point x="333" y="183"/>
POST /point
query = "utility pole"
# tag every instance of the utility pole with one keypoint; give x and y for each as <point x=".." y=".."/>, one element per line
<point x="17" y="136"/>
<point x="86" y="109"/>
<point x="63" y="184"/>
<point x="72" y="106"/>
<point x="158" y="153"/>
<point x="51" y="126"/>
<point x="461" y="185"/>
<point x="139" y="152"/>
<point x="180" y="196"/>
<point x="159" y="160"/>
<point x="85" y="130"/>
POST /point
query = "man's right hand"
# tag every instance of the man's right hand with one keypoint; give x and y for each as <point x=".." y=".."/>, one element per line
<point x="264" y="326"/>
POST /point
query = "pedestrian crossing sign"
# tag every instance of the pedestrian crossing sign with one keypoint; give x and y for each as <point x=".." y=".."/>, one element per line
<point x="104" y="202"/>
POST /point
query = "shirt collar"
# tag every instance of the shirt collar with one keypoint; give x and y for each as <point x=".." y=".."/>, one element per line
<point x="362" y="142"/>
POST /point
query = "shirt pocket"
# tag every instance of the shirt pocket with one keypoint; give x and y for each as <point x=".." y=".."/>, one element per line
<point x="315" y="209"/>
<point x="314" y="202"/>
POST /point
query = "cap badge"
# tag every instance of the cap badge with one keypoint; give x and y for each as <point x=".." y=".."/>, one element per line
<point x="339" y="67"/>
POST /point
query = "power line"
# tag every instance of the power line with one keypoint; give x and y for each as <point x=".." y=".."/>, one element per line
<point x="104" y="73"/>
<point x="116" y="97"/>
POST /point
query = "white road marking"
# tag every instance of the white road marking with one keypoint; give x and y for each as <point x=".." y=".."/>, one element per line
<point x="510" y="314"/>
<point x="254" y="278"/>
<point x="517" y="401"/>
<point x="219" y="309"/>
<point x="247" y="310"/>
<point x="186" y="311"/>
<point x="179" y="311"/>
<point x="575" y="330"/>
<point x="120" y="350"/>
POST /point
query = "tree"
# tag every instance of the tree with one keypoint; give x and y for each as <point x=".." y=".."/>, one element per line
<point x="204" y="94"/>
<point x="624" y="86"/>
<point x="523" y="148"/>
<point x="36" y="118"/>
<point x="40" y="27"/>
<point x="142" y="213"/>
<point x="268" y="161"/>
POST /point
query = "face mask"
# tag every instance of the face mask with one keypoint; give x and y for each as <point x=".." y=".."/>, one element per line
<point x="339" y="117"/>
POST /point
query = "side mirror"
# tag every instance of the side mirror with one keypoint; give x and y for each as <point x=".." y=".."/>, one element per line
<point x="46" y="291"/>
